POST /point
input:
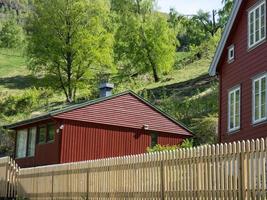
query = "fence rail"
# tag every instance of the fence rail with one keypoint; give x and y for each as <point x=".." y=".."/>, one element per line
<point x="8" y="177"/>
<point x="223" y="171"/>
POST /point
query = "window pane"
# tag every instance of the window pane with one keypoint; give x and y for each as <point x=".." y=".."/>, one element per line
<point x="256" y="22"/>
<point x="32" y="140"/>
<point x="51" y="132"/>
<point x="21" y="143"/>
<point x="257" y="25"/>
<point x="263" y="21"/>
<point x="251" y="28"/>
<point x="42" y="135"/>
<point x="263" y="98"/>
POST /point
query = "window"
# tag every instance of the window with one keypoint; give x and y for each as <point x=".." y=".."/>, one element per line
<point x="231" y="53"/>
<point x="259" y="99"/>
<point x="234" y="109"/>
<point x="257" y="24"/>
<point x="31" y="142"/>
<point x="51" y="132"/>
<point x="42" y="135"/>
<point x="154" y="139"/>
<point x="21" y="143"/>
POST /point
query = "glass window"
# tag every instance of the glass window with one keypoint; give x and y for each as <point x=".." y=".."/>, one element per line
<point x="42" y="135"/>
<point x="21" y="143"/>
<point x="31" y="142"/>
<point x="234" y="109"/>
<point x="51" y="132"/>
<point x="257" y="24"/>
<point x="231" y="53"/>
<point x="259" y="99"/>
<point x="154" y="139"/>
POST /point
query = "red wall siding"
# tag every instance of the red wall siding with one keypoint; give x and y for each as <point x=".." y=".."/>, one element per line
<point x="125" y="111"/>
<point x="45" y="154"/>
<point x="247" y="64"/>
<point x="87" y="141"/>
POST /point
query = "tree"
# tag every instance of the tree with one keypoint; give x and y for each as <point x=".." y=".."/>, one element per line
<point x="11" y="35"/>
<point x="72" y="40"/>
<point x="207" y="21"/>
<point x="224" y="13"/>
<point x="144" y="40"/>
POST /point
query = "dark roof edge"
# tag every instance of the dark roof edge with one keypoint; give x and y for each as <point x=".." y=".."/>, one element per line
<point x="222" y="43"/>
<point x="28" y="121"/>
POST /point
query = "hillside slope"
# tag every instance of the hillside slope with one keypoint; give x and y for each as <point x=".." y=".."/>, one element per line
<point x="187" y="93"/>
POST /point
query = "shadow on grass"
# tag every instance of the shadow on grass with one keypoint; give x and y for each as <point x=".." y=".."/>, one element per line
<point x="23" y="82"/>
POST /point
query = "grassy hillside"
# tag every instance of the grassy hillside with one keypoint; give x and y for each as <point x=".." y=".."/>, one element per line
<point x="14" y="75"/>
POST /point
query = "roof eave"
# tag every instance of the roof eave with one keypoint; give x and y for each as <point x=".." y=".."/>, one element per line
<point x="222" y="43"/>
<point x="27" y="122"/>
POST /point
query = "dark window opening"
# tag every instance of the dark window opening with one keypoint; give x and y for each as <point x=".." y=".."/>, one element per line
<point x="154" y="139"/>
<point x="51" y="132"/>
<point x="42" y="135"/>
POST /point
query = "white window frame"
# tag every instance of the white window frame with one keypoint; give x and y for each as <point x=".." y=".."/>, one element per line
<point x="261" y="38"/>
<point x="231" y="91"/>
<point x="21" y="148"/>
<point x="261" y="119"/>
<point x="231" y="49"/>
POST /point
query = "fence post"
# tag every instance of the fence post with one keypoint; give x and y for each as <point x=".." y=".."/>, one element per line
<point x="242" y="184"/>
<point x="52" y="191"/>
<point x="87" y="184"/>
<point x="162" y="180"/>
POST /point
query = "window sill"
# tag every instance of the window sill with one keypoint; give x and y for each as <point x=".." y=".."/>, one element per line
<point x="262" y="122"/>
<point x="231" y="61"/>
<point x="233" y="132"/>
<point x="256" y="45"/>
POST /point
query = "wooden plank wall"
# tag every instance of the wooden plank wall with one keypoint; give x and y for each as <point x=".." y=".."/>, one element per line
<point x="223" y="171"/>
<point x="8" y="177"/>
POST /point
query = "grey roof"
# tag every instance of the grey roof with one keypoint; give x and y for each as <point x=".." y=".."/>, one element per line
<point x="51" y="114"/>
<point x="226" y="33"/>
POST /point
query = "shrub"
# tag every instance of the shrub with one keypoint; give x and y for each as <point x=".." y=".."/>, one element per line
<point x="11" y="35"/>
<point x="157" y="148"/>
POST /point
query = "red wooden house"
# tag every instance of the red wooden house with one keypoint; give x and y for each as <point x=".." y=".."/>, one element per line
<point x="117" y="125"/>
<point x="241" y="65"/>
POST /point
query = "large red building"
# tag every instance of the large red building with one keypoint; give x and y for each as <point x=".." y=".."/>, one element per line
<point x="240" y="63"/>
<point x="118" y="125"/>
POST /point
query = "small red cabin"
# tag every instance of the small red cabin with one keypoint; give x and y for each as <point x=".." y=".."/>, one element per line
<point x="118" y="125"/>
<point x="240" y="63"/>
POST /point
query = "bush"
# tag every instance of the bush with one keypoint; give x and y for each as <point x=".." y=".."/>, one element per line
<point x="205" y="130"/>
<point x="157" y="148"/>
<point x="11" y="35"/>
<point x="25" y="103"/>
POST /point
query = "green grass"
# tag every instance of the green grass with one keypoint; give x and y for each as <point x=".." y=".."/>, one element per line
<point x="188" y="72"/>
<point x="12" y="63"/>
<point x="14" y="75"/>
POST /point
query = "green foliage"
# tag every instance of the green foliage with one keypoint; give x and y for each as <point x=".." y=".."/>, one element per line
<point x="144" y="41"/>
<point x="157" y="148"/>
<point x="25" y="103"/>
<point x="72" y="40"/>
<point x="11" y="35"/>
<point x="187" y="143"/>
<point x="190" y="110"/>
<point x="224" y="13"/>
<point x="205" y="129"/>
